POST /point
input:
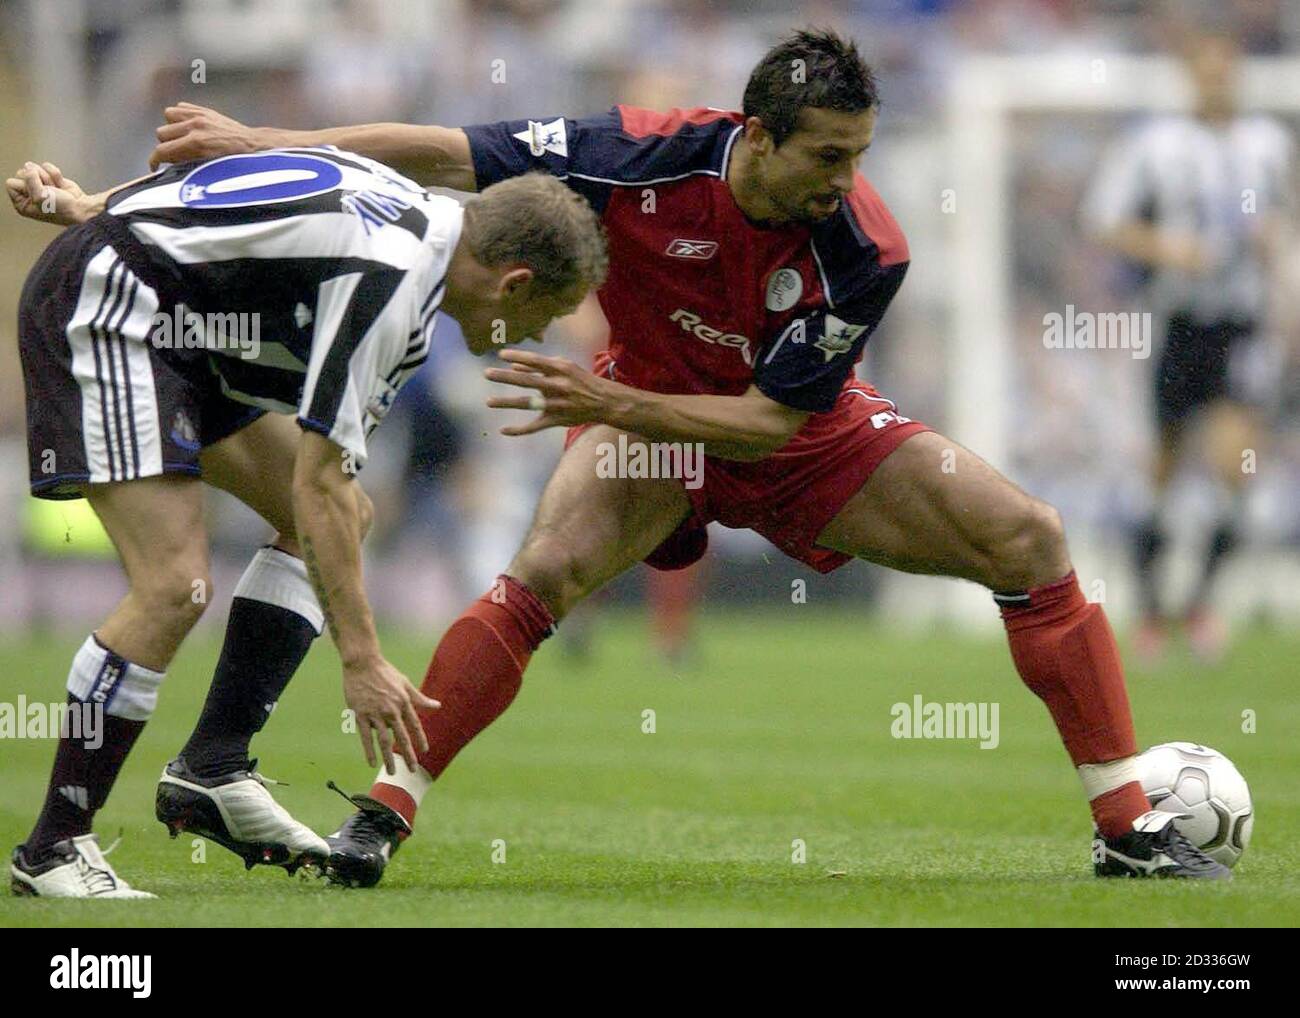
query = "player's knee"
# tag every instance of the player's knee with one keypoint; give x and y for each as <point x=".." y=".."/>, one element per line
<point x="1032" y="549"/>
<point x="549" y="566"/>
<point x="176" y="592"/>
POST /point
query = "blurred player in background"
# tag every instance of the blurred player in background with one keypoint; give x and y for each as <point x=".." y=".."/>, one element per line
<point x="344" y="265"/>
<point x="1197" y="201"/>
<point x="749" y="265"/>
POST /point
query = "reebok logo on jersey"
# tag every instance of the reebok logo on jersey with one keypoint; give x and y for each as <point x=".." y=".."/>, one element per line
<point x="690" y="322"/>
<point x="702" y="250"/>
<point x="542" y="138"/>
<point x="838" y="337"/>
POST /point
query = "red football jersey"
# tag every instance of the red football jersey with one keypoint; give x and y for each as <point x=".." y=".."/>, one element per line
<point x="699" y="299"/>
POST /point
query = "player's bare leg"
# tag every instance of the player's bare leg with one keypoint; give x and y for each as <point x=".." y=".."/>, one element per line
<point x="1229" y="429"/>
<point x="156" y="524"/>
<point x="587" y="530"/>
<point x="934" y="507"/>
<point x="212" y="788"/>
<point x="672" y="596"/>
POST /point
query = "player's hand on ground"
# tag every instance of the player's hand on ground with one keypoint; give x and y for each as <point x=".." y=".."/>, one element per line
<point x="198" y="132"/>
<point x="40" y="191"/>
<point x="566" y="393"/>
<point x="385" y="705"/>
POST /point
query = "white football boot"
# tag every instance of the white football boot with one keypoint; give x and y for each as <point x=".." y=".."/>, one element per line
<point x="77" y="869"/>
<point x="237" y="812"/>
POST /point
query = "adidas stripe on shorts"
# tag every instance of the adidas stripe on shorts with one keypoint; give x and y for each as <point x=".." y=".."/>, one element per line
<point x="103" y="404"/>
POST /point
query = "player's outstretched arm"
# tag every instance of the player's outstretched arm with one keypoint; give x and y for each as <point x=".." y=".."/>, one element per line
<point x="746" y="427"/>
<point x="40" y="191"/>
<point x="433" y="156"/>
<point x="328" y="515"/>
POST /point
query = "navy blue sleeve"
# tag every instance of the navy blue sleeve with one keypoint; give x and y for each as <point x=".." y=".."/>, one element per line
<point x="806" y="365"/>
<point x="557" y="145"/>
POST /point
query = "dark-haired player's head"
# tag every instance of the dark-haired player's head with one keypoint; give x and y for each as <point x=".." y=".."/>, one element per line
<point x="529" y="251"/>
<point x="810" y="110"/>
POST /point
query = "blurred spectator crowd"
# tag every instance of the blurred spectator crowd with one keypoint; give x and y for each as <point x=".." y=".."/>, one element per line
<point x="454" y="496"/>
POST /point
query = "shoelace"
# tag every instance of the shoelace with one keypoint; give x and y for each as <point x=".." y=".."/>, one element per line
<point x="262" y="779"/>
<point x="373" y="818"/>
<point x="96" y="881"/>
<point x="1178" y="847"/>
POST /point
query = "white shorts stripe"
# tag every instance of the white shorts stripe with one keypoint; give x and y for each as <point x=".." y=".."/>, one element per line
<point x="107" y="336"/>
<point x="141" y="409"/>
<point x="119" y="464"/>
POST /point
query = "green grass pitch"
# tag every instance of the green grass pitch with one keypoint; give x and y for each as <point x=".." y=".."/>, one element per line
<point x="780" y="733"/>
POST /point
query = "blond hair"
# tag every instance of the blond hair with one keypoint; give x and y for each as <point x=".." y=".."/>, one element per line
<point x="534" y="220"/>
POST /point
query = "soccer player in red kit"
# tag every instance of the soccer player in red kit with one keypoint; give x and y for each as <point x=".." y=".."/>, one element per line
<point x="749" y="264"/>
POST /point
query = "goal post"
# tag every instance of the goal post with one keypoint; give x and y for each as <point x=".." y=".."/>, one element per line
<point x="985" y="95"/>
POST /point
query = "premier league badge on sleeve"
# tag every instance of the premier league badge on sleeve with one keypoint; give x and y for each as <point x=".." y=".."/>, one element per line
<point x="838" y="337"/>
<point x="542" y="138"/>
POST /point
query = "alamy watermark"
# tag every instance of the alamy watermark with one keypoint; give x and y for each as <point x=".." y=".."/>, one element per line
<point x="81" y="721"/>
<point x="229" y="332"/>
<point x="1108" y="330"/>
<point x="683" y="461"/>
<point x="77" y="971"/>
<point x="922" y="720"/>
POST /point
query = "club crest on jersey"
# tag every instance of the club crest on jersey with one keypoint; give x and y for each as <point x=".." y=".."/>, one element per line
<point x="784" y="288"/>
<point x="183" y="432"/>
<point x="542" y="138"/>
<point x="702" y="250"/>
<point x="381" y="402"/>
<point x="838" y="337"/>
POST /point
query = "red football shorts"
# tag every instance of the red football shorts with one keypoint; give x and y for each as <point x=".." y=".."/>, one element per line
<point x="792" y="495"/>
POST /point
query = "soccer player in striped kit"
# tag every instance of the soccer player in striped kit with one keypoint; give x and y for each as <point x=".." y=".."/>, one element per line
<point x="1199" y="201"/>
<point x="344" y="264"/>
<point x="749" y="265"/>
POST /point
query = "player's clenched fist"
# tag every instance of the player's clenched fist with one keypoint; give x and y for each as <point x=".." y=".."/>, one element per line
<point x="40" y="191"/>
<point x="385" y="703"/>
<point x="197" y="132"/>
<point x="566" y="393"/>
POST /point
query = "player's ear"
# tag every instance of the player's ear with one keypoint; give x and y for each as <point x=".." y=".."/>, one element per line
<point x="515" y="283"/>
<point x="758" y="136"/>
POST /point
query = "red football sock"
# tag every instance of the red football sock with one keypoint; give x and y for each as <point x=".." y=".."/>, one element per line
<point x="1065" y="652"/>
<point x="475" y="673"/>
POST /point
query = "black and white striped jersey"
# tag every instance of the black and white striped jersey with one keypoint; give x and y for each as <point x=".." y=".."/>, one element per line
<point x="309" y="277"/>
<point x="1219" y="183"/>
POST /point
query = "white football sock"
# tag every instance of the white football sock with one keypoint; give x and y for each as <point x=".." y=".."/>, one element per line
<point x="413" y="782"/>
<point x="126" y="690"/>
<point x="1098" y="779"/>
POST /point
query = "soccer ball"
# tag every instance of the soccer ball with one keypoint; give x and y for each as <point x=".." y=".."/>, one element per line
<point x="1183" y="777"/>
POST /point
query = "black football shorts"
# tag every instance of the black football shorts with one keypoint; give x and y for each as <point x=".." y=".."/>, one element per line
<point x="1199" y="364"/>
<point x="103" y="404"/>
